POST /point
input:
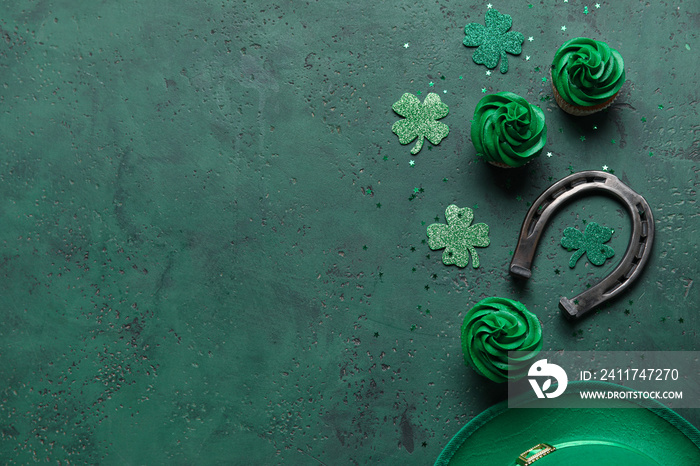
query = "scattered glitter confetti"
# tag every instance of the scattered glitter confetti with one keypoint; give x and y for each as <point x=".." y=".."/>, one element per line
<point x="549" y="154"/>
<point x="420" y="120"/>
<point x="563" y="28"/>
<point x="459" y="237"/>
<point x="583" y="138"/>
<point x="369" y="191"/>
<point x="595" y="127"/>
<point x="419" y="92"/>
<point x="415" y="190"/>
<point x="489" y="6"/>
<point x="661" y="107"/>
<point x="364" y="247"/>
<point x="590" y="242"/>
<point x="376" y="334"/>
<point x="597" y="5"/>
<point x="488" y="72"/>
<point x="493" y="40"/>
<point x="644" y="119"/>
<point x="444" y="180"/>
<point x="651" y="154"/>
<point x="527" y="57"/>
<point x="405" y="45"/>
<point x="530" y="38"/>
<point x="544" y="79"/>
<point x="605" y="167"/>
<point x="411" y="162"/>
<point x="483" y="90"/>
<point x="445" y="91"/>
<point x="386" y="157"/>
<point x="519" y="198"/>
<point x="379" y="205"/>
<point x="431" y="84"/>
<point x="585" y="10"/>
<point x="612" y="141"/>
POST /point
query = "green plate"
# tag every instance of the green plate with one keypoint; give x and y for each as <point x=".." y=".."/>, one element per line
<point x="641" y="434"/>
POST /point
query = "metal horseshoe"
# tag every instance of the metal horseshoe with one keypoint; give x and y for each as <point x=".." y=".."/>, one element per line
<point x="638" y="250"/>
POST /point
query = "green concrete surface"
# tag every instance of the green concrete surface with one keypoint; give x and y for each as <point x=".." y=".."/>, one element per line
<point x="206" y="243"/>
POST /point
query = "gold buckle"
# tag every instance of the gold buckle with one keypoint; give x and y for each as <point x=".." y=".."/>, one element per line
<point x="545" y="449"/>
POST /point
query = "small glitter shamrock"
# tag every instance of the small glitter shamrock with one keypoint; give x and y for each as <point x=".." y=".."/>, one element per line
<point x="493" y="41"/>
<point x="420" y="119"/>
<point x="589" y="242"/>
<point x="459" y="237"/>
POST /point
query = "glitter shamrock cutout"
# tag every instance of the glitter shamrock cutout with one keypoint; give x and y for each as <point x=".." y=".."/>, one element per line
<point x="459" y="237"/>
<point x="420" y="119"/>
<point x="589" y="242"/>
<point x="493" y="40"/>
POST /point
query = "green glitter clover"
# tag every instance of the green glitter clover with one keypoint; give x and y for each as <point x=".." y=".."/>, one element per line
<point x="420" y="120"/>
<point x="589" y="242"/>
<point x="458" y="237"/>
<point x="493" y="41"/>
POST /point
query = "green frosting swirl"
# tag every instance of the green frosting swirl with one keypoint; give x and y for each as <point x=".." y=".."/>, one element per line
<point x="507" y="129"/>
<point x="587" y="72"/>
<point x="494" y="327"/>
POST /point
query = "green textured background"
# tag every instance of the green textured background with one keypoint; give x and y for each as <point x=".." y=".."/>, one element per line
<point x="185" y="210"/>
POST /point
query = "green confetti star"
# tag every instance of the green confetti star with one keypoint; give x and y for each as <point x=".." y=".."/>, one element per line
<point x="590" y="242"/>
<point x="544" y="80"/>
<point x="444" y="180"/>
<point x="583" y="138"/>
<point x="369" y="191"/>
<point x="420" y="120"/>
<point x="644" y="119"/>
<point x="379" y="205"/>
<point x="483" y="90"/>
<point x="493" y="40"/>
<point x="661" y="107"/>
<point x="459" y="237"/>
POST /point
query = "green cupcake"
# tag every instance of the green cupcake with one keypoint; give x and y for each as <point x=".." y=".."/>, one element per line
<point x="587" y="75"/>
<point x="494" y="327"/>
<point x="507" y="131"/>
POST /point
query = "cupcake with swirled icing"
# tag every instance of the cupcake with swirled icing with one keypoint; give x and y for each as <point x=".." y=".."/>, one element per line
<point x="492" y="328"/>
<point x="507" y="131"/>
<point x="587" y="76"/>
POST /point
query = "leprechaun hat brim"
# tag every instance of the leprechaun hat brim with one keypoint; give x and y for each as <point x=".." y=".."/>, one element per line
<point x="633" y="432"/>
